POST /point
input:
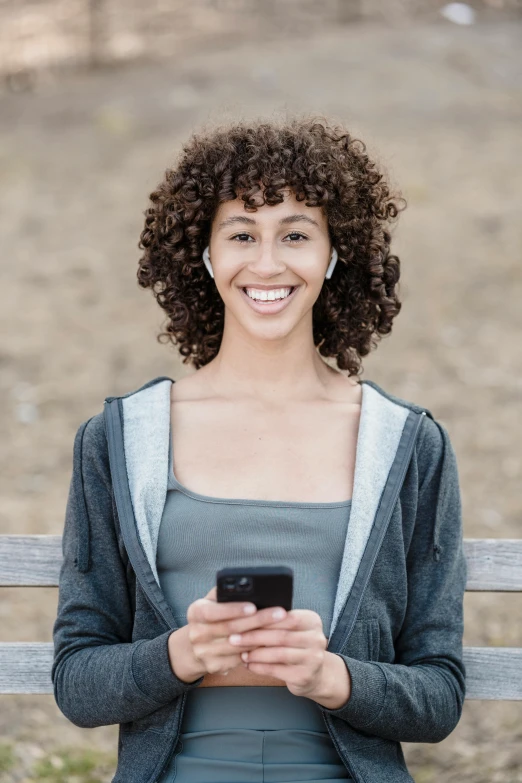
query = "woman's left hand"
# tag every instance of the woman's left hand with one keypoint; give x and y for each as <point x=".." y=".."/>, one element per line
<point x="292" y="649"/>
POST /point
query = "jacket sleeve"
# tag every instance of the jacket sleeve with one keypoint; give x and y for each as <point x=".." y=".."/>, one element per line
<point x="100" y="677"/>
<point x="419" y="697"/>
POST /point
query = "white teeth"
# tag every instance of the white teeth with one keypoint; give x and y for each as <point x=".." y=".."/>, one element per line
<point x="264" y="296"/>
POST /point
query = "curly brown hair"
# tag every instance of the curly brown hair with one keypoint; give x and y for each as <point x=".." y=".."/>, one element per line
<point x="255" y="161"/>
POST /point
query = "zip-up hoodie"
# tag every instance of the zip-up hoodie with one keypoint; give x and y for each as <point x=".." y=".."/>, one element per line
<point x="398" y="613"/>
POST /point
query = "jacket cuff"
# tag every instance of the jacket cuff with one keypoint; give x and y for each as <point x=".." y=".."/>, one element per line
<point x="153" y="673"/>
<point x="368" y="693"/>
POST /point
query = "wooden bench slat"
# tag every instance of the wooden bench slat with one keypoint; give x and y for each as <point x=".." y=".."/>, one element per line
<point x="30" y="561"/>
<point x="25" y="667"/>
<point x="494" y="564"/>
<point x="491" y="672"/>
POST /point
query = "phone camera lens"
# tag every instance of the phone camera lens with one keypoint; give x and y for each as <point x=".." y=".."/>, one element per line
<point x="244" y="584"/>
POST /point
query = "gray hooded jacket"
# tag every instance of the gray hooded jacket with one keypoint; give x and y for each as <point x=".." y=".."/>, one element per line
<point x="398" y="613"/>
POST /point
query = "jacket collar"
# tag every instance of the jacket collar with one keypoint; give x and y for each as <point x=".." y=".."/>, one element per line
<point x="381" y="441"/>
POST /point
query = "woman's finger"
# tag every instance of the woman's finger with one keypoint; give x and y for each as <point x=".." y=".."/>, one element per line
<point x="288" y="656"/>
<point x="274" y="638"/>
<point x="223" y="663"/>
<point x="206" y="610"/>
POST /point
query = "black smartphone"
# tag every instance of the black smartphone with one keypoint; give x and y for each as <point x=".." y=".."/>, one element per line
<point x="261" y="585"/>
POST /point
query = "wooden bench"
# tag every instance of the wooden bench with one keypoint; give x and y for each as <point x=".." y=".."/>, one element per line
<point x="493" y="565"/>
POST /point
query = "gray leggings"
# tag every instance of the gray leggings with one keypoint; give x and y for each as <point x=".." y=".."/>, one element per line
<point x="253" y="734"/>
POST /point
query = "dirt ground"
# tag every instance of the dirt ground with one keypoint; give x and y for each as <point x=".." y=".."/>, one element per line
<point x="440" y="106"/>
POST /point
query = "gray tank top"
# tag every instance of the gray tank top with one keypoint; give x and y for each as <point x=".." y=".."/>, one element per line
<point x="200" y="534"/>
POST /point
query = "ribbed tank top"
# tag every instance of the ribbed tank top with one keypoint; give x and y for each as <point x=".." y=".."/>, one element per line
<point x="200" y="534"/>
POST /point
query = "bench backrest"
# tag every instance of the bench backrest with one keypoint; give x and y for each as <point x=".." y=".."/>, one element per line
<point x="35" y="560"/>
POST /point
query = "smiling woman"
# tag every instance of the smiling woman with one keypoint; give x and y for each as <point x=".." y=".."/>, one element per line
<point x="328" y="201"/>
<point x="268" y="248"/>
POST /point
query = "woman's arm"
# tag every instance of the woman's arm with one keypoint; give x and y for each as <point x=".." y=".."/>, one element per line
<point x="99" y="676"/>
<point x="419" y="698"/>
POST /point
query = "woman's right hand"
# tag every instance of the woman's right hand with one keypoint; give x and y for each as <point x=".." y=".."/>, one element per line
<point x="206" y="649"/>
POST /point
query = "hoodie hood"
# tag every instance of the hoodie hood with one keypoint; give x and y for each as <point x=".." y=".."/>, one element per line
<point x="387" y="431"/>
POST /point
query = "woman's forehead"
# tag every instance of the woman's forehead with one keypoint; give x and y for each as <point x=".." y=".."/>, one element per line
<point x="234" y="211"/>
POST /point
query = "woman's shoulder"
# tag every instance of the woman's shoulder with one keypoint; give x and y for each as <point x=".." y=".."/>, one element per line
<point x="92" y="432"/>
<point x="433" y="440"/>
<point x="91" y="447"/>
<point x="394" y="398"/>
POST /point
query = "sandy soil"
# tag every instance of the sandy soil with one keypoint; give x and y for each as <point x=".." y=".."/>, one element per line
<point x="440" y="106"/>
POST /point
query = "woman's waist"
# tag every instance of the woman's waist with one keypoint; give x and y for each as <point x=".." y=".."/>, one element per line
<point x="250" y="707"/>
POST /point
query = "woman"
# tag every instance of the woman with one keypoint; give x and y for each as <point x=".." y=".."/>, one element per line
<point x="268" y="247"/>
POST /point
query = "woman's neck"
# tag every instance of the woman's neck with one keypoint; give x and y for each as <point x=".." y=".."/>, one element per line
<point x="271" y="371"/>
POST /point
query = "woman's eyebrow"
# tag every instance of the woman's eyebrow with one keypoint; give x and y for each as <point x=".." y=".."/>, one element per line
<point x="250" y="221"/>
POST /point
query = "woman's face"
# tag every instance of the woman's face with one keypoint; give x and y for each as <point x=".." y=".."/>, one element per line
<point x="284" y="249"/>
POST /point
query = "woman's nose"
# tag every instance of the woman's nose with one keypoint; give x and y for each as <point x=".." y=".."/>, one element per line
<point x="265" y="261"/>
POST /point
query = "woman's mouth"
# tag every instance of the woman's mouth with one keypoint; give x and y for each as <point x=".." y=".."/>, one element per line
<point x="269" y="302"/>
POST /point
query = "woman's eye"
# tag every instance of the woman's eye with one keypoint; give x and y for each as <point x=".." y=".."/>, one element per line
<point x="295" y="236"/>
<point x="241" y="241"/>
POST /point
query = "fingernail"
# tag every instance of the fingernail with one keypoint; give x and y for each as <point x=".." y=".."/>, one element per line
<point x="250" y="609"/>
<point x="234" y="638"/>
<point x="244" y="656"/>
<point x="278" y="614"/>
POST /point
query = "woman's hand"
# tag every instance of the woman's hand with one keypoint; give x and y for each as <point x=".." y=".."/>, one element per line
<point x="209" y="626"/>
<point x="293" y="650"/>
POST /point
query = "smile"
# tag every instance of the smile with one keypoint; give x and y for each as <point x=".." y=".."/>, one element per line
<point x="269" y="302"/>
<point x="264" y="296"/>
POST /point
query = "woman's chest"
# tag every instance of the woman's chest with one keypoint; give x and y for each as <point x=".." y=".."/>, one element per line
<point x="305" y="454"/>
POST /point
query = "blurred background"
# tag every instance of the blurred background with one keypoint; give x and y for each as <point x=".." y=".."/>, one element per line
<point x="96" y="97"/>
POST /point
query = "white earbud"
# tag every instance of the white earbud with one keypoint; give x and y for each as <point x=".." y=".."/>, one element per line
<point x="331" y="266"/>
<point x="206" y="260"/>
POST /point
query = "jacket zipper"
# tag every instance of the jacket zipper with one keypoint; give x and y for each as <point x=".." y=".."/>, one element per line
<point x="404" y="467"/>
<point x="173" y="746"/>
<point x="336" y="744"/>
<point x="123" y="504"/>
